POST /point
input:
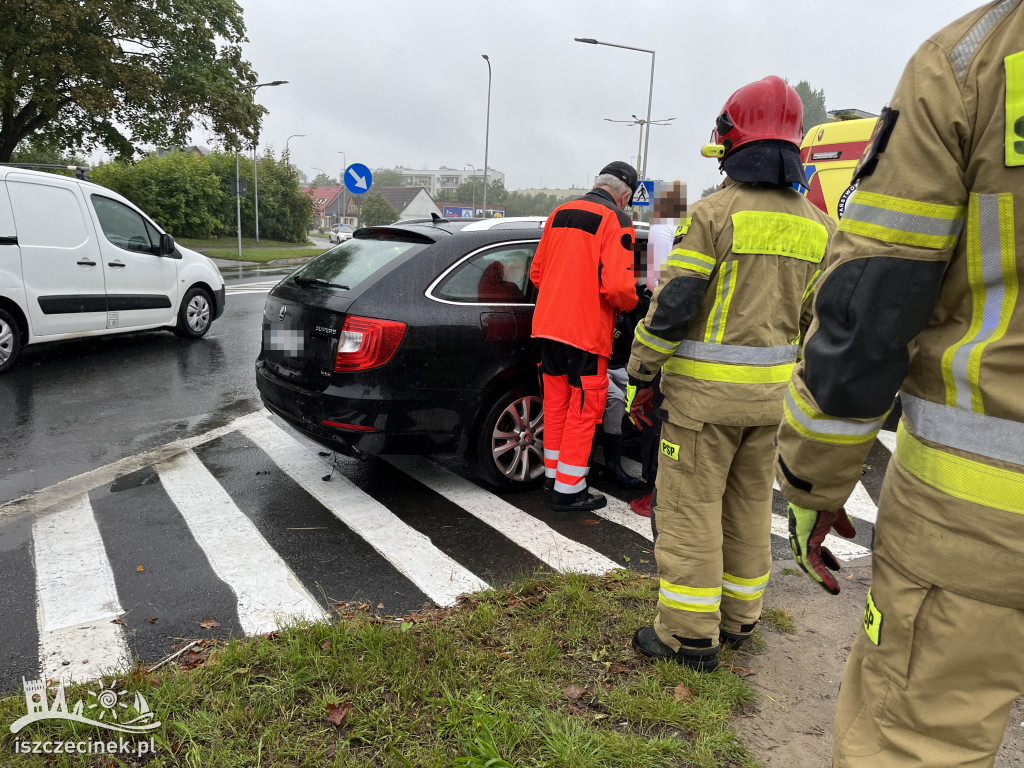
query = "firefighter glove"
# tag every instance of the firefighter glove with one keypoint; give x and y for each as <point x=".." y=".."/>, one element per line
<point x="639" y="400"/>
<point x="807" y="530"/>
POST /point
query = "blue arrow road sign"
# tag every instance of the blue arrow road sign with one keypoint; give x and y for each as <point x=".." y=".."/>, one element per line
<point x="358" y="178"/>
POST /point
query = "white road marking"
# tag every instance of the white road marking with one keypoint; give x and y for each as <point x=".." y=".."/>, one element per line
<point x="77" y="596"/>
<point x="242" y="288"/>
<point x="860" y="505"/>
<point x="558" y="551"/>
<point x="64" y="491"/>
<point x="439" y="576"/>
<point x="888" y="439"/>
<point x="268" y="592"/>
<point x="618" y="511"/>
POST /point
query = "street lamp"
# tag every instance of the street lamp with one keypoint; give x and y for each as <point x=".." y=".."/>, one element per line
<point x="238" y="186"/>
<point x="641" y="122"/>
<point x="474" y="184"/>
<point x="650" y="93"/>
<point x="487" y="135"/>
<point x="286" y="153"/>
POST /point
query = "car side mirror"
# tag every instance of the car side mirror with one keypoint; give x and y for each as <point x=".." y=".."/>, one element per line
<point x="166" y="245"/>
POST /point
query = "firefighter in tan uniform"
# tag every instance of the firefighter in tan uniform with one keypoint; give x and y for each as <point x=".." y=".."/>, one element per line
<point x="925" y="299"/>
<point x="724" y="329"/>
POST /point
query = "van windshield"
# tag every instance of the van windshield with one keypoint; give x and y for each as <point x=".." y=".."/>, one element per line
<point x="352" y="262"/>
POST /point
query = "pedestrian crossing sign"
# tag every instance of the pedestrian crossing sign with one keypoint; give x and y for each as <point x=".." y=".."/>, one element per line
<point x="644" y="192"/>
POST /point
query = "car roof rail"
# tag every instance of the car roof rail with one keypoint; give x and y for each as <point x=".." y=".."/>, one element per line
<point x="81" y="171"/>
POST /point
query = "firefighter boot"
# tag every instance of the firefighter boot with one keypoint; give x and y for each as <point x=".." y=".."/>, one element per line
<point x="647" y="643"/>
<point x="613" y="463"/>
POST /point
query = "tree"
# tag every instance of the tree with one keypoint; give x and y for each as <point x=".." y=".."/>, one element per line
<point x="121" y="74"/>
<point x="376" y="211"/>
<point x="387" y="177"/>
<point x="323" y="180"/>
<point x="709" y="191"/>
<point x="814" y="104"/>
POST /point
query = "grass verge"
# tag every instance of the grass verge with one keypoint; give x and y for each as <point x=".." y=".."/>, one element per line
<point x="231" y="242"/>
<point x="262" y="255"/>
<point x="539" y="673"/>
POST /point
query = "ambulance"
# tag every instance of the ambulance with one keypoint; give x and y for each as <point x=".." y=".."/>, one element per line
<point x="830" y="152"/>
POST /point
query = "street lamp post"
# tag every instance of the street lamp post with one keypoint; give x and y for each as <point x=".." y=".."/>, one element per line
<point x="474" y="185"/>
<point x="641" y="122"/>
<point x="487" y="134"/>
<point x="650" y="92"/>
<point x="293" y="136"/>
<point x="255" y="181"/>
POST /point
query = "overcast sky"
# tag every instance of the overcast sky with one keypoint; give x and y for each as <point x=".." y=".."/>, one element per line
<point x="402" y="82"/>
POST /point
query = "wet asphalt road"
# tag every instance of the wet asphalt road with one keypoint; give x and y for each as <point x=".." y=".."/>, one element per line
<point x="71" y="406"/>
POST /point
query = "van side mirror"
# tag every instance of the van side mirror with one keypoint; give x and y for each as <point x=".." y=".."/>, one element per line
<point x="166" y="245"/>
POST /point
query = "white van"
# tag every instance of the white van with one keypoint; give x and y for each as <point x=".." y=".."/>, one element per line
<point x="77" y="259"/>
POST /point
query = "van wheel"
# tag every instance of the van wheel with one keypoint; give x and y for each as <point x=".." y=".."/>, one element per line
<point x="509" y="449"/>
<point x="10" y="340"/>
<point x="195" y="315"/>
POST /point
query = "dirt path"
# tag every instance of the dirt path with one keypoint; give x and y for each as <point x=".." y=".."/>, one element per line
<point x="797" y="677"/>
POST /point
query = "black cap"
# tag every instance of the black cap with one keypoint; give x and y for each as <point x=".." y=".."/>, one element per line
<point x="625" y="172"/>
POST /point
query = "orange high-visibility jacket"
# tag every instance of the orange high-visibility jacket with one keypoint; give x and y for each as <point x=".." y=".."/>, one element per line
<point x="584" y="273"/>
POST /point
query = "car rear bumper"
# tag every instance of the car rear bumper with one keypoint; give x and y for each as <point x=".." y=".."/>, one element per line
<point x="422" y="422"/>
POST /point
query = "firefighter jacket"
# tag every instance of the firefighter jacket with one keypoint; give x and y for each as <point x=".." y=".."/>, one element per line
<point x="734" y="297"/>
<point x="924" y="298"/>
<point x="584" y="273"/>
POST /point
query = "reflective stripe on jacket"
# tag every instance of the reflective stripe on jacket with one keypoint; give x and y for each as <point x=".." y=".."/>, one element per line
<point x="584" y="272"/>
<point x="924" y="297"/>
<point x="726" y="321"/>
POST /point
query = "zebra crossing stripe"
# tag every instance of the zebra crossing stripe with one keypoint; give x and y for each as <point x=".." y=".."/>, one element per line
<point x="618" y="512"/>
<point x="888" y="439"/>
<point x="551" y="547"/>
<point x="440" y="577"/>
<point x="268" y="592"/>
<point x="860" y="504"/>
<point x="76" y="596"/>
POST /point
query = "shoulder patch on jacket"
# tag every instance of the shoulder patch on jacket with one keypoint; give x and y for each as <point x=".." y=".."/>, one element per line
<point x="572" y="218"/>
<point x="876" y="144"/>
<point x="1014" y="109"/>
<point x="681" y="230"/>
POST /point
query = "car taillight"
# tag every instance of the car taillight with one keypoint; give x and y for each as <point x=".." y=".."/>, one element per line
<point x="366" y="343"/>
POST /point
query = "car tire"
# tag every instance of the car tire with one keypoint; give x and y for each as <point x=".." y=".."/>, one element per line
<point x="509" y="446"/>
<point x="195" y="316"/>
<point x="10" y="340"/>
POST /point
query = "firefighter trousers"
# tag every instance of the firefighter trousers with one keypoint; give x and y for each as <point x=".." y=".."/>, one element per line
<point x="575" y="395"/>
<point x="713" y="505"/>
<point x="936" y="689"/>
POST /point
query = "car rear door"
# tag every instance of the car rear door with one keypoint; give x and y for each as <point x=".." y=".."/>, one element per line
<point x="65" y="290"/>
<point x="141" y="284"/>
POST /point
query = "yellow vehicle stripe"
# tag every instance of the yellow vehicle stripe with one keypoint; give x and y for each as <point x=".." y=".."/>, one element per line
<point x="904" y="222"/>
<point x="779" y="234"/>
<point x="959" y="477"/>
<point x="737" y="374"/>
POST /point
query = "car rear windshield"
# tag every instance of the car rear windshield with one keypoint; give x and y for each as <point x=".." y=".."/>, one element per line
<point x="354" y="261"/>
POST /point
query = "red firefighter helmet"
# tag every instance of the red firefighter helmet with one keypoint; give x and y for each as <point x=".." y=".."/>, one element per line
<point x="766" y="109"/>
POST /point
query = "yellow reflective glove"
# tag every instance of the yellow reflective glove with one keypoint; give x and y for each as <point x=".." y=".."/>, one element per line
<point x="807" y="530"/>
<point x="639" y="401"/>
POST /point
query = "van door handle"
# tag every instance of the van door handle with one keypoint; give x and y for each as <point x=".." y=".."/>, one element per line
<point x="116" y="264"/>
<point x="86" y="263"/>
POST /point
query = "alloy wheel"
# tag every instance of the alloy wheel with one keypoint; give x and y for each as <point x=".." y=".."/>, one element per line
<point x="517" y="440"/>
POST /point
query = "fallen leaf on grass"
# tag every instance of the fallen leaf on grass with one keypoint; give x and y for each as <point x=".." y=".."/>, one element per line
<point x="190" y="659"/>
<point x="209" y="623"/>
<point x="574" y="692"/>
<point x="682" y="693"/>
<point x="380" y="606"/>
<point x="325" y="645"/>
<point x="617" y="669"/>
<point x="744" y="671"/>
<point x="336" y="712"/>
<point x="155" y="681"/>
<point x="575" y="708"/>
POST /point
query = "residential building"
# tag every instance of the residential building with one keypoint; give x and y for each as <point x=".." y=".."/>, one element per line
<point x="443" y="178"/>
<point x="410" y="202"/>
